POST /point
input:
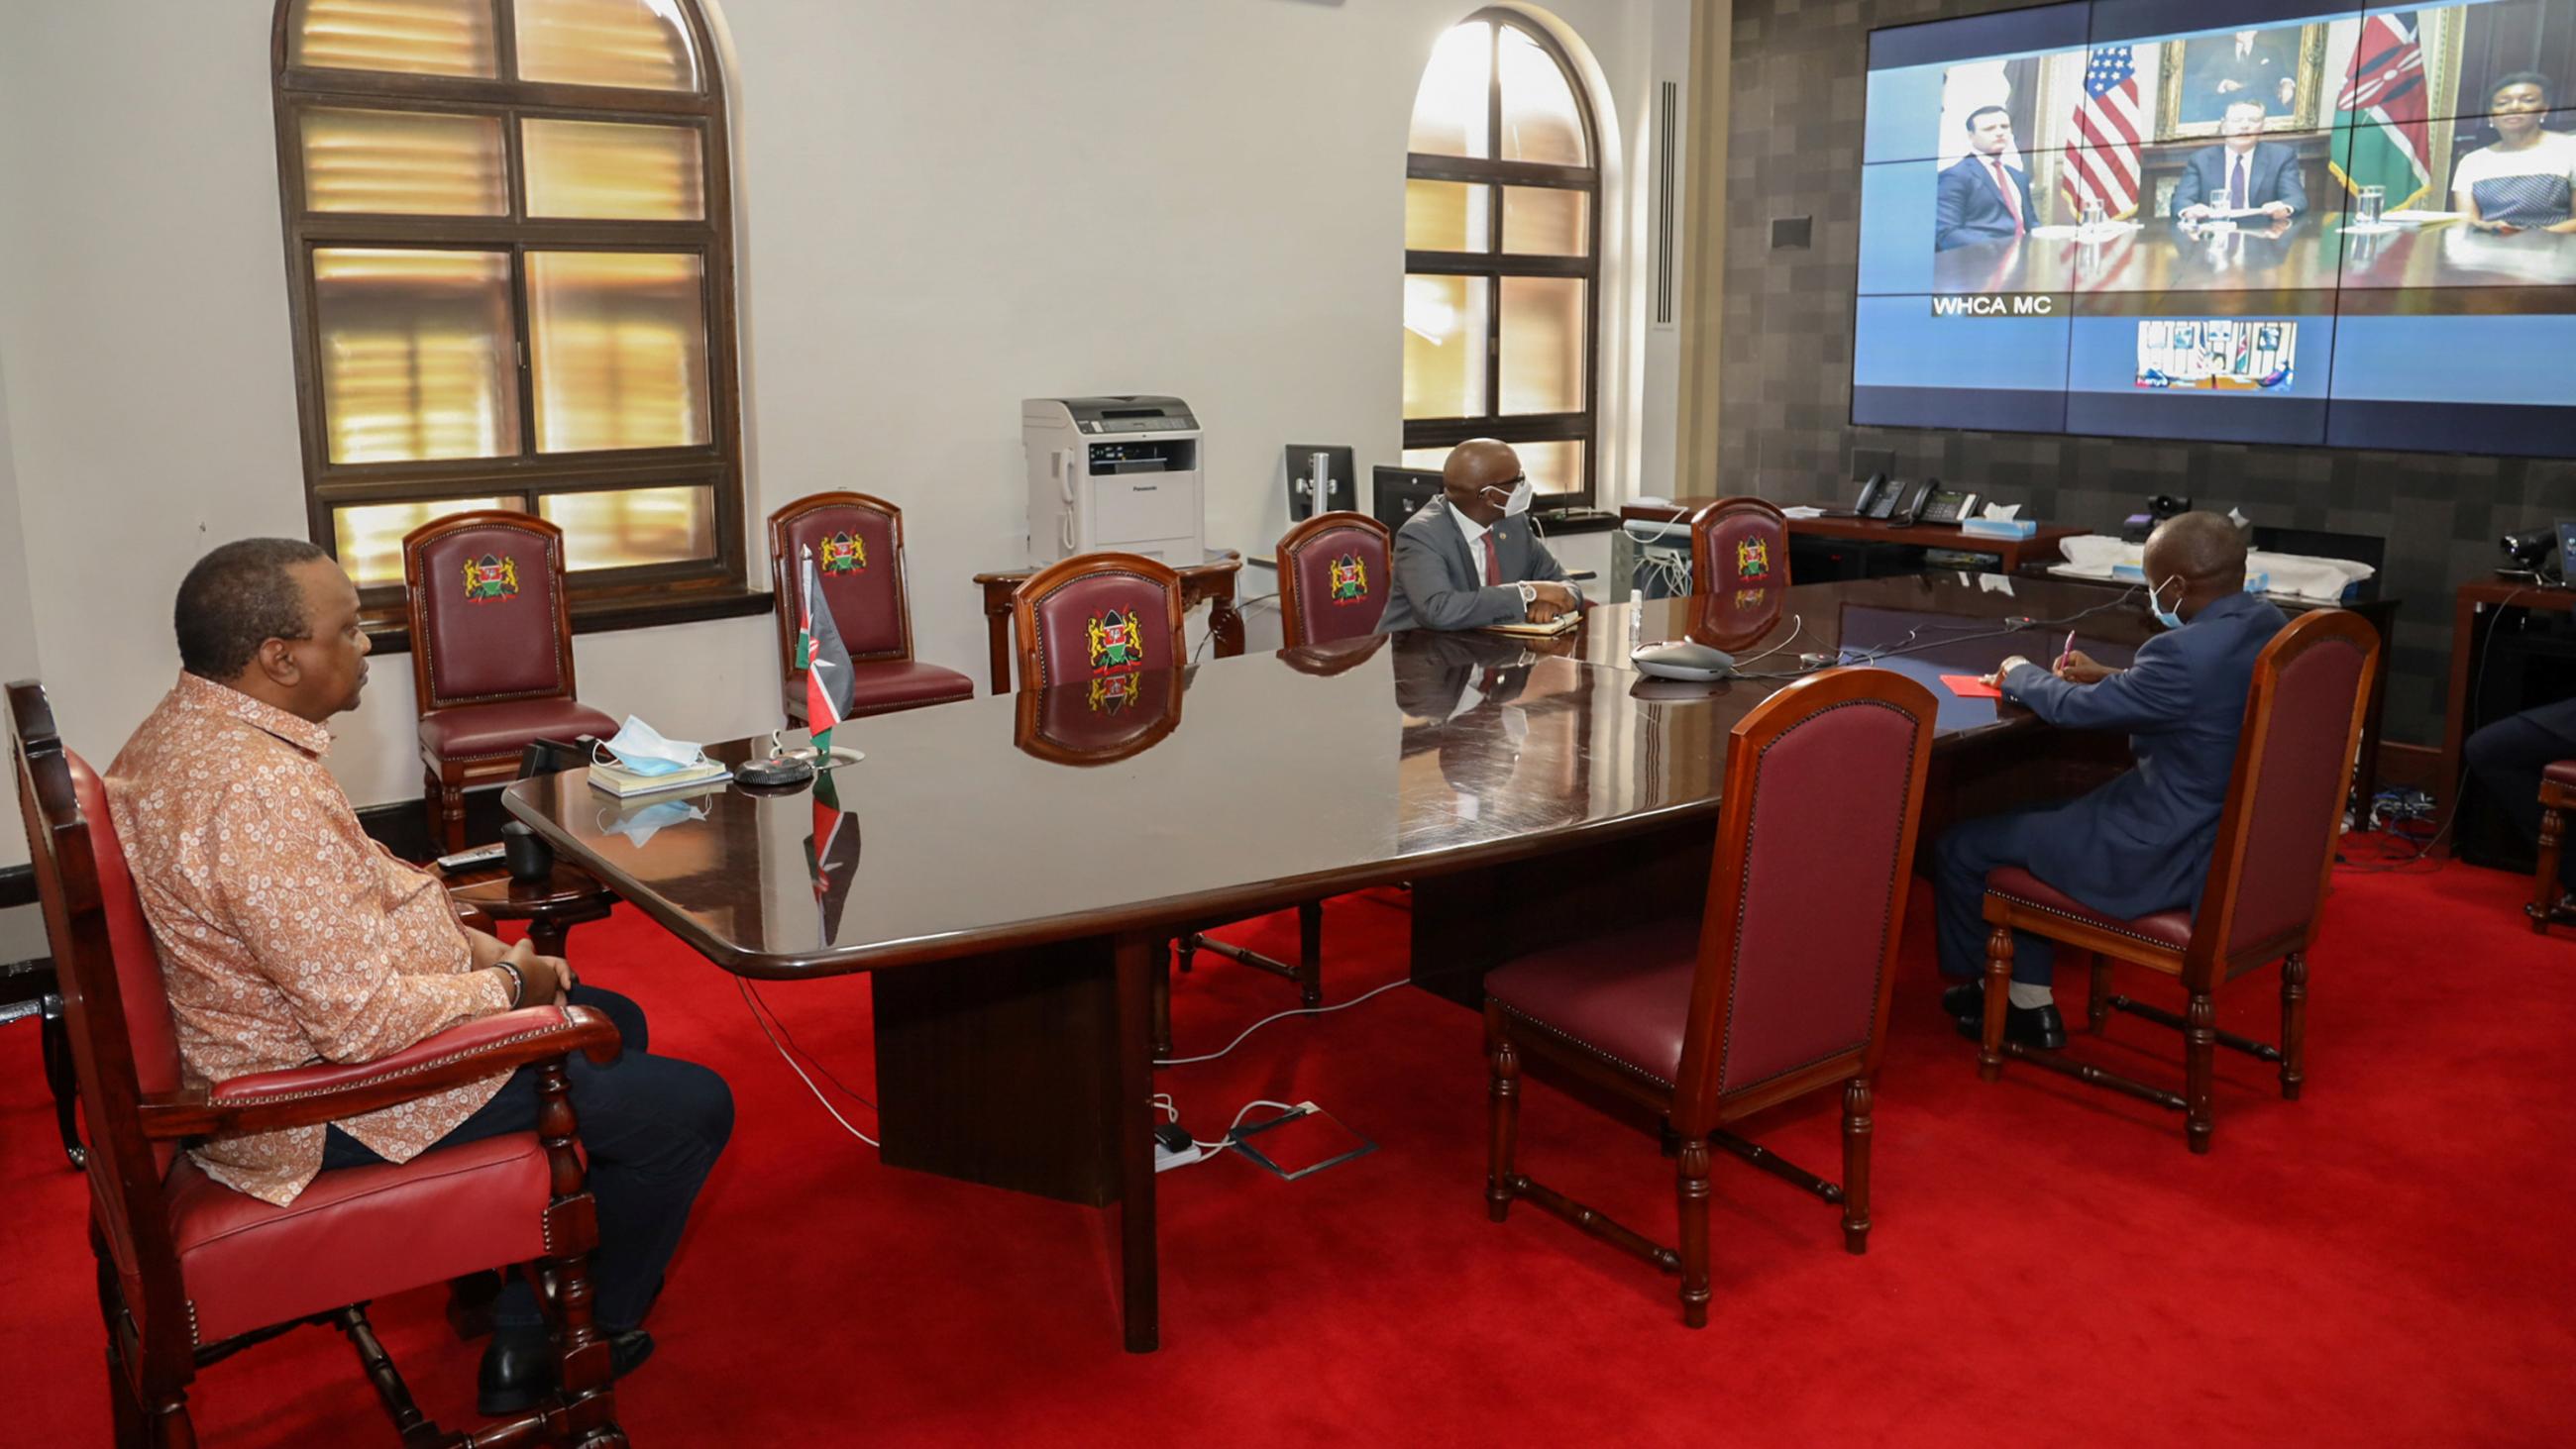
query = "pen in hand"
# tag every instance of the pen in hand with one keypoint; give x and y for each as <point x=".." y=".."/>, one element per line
<point x="2068" y="652"/>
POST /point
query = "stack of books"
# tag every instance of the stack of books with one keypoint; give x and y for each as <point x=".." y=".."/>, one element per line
<point x="626" y="784"/>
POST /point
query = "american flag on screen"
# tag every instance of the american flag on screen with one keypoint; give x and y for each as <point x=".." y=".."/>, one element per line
<point x="2102" y="165"/>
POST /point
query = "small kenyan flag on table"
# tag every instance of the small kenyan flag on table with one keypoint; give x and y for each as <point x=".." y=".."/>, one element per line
<point x="829" y="684"/>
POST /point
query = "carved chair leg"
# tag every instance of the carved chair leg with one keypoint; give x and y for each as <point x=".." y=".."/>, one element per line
<point x="1857" y="1128"/>
<point x="53" y="1034"/>
<point x="409" y="1422"/>
<point x="2097" y="1002"/>
<point x="433" y="806"/>
<point x="1310" y="953"/>
<point x="1503" y="1117"/>
<point x="583" y="1361"/>
<point x="2200" y="1052"/>
<point x="2294" y="1024"/>
<point x="1990" y="1042"/>
<point x="1691" y="1185"/>
<point x="2544" y="877"/>
<point x="1163" y="1004"/>
<point x="125" y="1416"/>
<point x="168" y="1425"/>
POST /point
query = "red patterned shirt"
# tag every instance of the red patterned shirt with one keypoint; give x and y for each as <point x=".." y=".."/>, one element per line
<point x="286" y="934"/>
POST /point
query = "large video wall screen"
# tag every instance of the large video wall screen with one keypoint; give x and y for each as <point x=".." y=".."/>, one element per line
<point x="2234" y="220"/>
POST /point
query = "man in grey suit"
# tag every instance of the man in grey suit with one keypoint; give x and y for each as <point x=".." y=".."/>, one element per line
<point x="1470" y="559"/>
<point x="2141" y="843"/>
<point x="2243" y="173"/>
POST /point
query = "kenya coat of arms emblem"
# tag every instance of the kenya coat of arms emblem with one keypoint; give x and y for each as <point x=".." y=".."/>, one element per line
<point x="1349" y="580"/>
<point x="491" y="578"/>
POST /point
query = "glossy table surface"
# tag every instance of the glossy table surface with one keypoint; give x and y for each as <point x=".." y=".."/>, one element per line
<point x="2309" y="255"/>
<point x="1249" y="783"/>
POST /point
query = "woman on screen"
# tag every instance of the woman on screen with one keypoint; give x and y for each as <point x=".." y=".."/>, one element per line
<point x="2527" y="179"/>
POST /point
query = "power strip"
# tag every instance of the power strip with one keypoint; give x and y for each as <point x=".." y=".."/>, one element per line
<point x="1165" y="1159"/>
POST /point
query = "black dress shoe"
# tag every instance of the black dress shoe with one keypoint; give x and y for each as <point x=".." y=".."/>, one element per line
<point x="519" y="1368"/>
<point x="2037" y="1027"/>
<point x="1968" y="998"/>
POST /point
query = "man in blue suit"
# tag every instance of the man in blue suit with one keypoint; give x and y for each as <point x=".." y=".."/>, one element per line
<point x="1982" y="199"/>
<point x="2242" y="173"/>
<point x="1470" y="559"/>
<point x="2141" y="843"/>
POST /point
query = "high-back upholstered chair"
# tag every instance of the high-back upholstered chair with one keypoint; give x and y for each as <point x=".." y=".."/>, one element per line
<point x="1739" y="543"/>
<point x="190" y="1270"/>
<point x="857" y="544"/>
<point x="1777" y="989"/>
<point x="1096" y="616"/>
<point x="2266" y="885"/>
<point x="1335" y="576"/>
<point x="1096" y="620"/>
<point x="2557" y="797"/>
<point x="491" y="653"/>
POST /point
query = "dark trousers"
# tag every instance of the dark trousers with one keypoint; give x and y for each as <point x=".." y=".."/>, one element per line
<point x="2506" y="758"/>
<point x="651" y="1127"/>
<point x="1960" y="863"/>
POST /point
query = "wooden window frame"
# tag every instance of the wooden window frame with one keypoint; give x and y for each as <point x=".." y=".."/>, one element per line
<point x="641" y="594"/>
<point x="1493" y="266"/>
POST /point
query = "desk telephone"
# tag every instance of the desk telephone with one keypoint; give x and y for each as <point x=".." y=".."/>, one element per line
<point x="1891" y="501"/>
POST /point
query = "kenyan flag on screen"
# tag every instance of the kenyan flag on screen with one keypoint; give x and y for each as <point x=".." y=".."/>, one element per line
<point x="2384" y="105"/>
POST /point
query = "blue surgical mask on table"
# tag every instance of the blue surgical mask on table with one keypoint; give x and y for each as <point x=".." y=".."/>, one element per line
<point x="2156" y="604"/>
<point x="639" y="747"/>
<point x="640" y="826"/>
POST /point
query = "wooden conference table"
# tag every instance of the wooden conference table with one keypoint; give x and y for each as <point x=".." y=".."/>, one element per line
<point x="1012" y="866"/>
<point x="2296" y="266"/>
<point x="2040" y="547"/>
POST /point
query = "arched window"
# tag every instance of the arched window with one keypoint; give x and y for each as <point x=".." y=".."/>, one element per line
<point x="509" y="251"/>
<point x="1502" y="243"/>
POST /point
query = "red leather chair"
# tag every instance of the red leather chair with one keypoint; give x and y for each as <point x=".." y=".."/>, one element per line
<point x="1739" y="543"/>
<point x="189" y="1270"/>
<point x="857" y="544"/>
<point x="2266" y="886"/>
<point x="1100" y="618"/>
<point x="1777" y="989"/>
<point x="2557" y="797"/>
<point x="1335" y="576"/>
<point x="491" y="653"/>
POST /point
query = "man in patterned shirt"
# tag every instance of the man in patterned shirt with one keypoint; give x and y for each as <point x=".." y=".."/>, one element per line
<point x="288" y="936"/>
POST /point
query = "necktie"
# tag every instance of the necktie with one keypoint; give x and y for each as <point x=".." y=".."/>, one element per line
<point x="2012" y="197"/>
<point x="2236" y="184"/>
<point x="1493" y="564"/>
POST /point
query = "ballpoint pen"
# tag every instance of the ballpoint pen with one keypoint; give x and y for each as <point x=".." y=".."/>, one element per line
<point x="2068" y="650"/>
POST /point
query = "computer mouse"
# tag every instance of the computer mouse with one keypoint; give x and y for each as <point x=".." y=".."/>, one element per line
<point x="1682" y="659"/>
<point x="776" y="774"/>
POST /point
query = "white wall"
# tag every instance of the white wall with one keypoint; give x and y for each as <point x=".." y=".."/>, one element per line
<point x="945" y="208"/>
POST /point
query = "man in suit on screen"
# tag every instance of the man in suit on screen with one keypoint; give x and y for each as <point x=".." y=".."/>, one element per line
<point x="1982" y="199"/>
<point x="1470" y="559"/>
<point x="2242" y="173"/>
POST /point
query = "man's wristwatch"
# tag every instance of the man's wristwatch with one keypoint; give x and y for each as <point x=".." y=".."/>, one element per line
<point x="1529" y="594"/>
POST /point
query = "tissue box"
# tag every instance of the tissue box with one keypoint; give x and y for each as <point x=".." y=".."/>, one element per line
<point x="1997" y="527"/>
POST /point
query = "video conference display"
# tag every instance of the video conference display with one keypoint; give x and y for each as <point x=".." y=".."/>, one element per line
<point x="2233" y="220"/>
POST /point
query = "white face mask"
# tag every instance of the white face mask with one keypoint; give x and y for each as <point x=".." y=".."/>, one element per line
<point x="1519" y="500"/>
<point x="640" y="747"/>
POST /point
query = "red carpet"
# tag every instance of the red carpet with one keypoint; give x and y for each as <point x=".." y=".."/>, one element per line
<point x="2383" y="1262"/>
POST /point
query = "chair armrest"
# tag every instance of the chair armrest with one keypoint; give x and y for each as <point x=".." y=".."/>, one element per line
<point x="329" y="1091"/>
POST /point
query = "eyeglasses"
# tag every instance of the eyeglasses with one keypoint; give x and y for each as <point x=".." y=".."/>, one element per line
<point x="1508" y="484"/>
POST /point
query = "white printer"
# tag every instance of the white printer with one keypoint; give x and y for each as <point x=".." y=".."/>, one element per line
<point x="1114" y="473"/>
